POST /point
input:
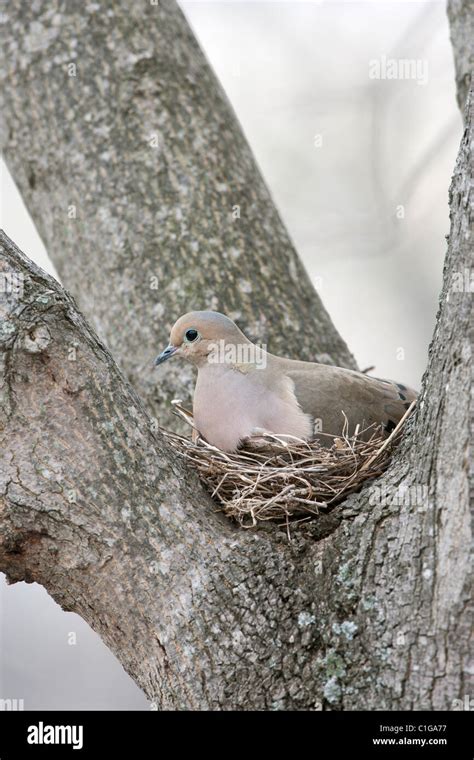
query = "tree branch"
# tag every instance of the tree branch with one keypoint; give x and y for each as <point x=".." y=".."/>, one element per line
<point x="135" y="170"/>
<point x="367" y="608"/>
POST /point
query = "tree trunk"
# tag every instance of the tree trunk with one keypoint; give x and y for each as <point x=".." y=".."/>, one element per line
<point x="136" y="173"/>
<point x="366" y="608"/>
<point x="461" y="20"/>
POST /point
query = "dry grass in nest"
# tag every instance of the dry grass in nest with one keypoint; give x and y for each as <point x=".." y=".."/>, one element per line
<point x="282" y="478"/>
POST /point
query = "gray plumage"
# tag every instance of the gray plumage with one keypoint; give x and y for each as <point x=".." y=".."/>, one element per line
<point x="236" y="398"/>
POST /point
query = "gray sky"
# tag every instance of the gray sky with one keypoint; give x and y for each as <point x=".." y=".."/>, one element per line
<point x="359" y="168"/>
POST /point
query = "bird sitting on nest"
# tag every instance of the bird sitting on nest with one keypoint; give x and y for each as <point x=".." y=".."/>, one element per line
<point x="242" y="390"/>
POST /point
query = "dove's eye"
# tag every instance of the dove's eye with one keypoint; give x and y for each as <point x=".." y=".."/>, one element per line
<point x="191" y="335"/>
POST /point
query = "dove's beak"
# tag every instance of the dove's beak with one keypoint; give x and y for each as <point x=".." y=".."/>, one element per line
<point x="166" y="354"/>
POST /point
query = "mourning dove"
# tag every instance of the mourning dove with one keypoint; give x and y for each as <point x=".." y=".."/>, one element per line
<point x="241" y="389"/>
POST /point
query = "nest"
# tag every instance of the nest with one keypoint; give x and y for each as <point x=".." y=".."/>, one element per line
<point x="282" y="478"/>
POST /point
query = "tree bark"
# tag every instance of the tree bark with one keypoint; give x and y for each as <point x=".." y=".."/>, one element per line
<point x="136" y="173"/>
<point x="461" y="20"/>
<point x="367" y="608"/>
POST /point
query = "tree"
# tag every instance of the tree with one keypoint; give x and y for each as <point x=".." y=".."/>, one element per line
<point x="461" y="19"/>
<point x="143" y="188"/>
<point x="367" y="607"/>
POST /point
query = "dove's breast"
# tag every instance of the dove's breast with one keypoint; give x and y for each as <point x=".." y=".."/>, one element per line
<point x="230" y="404"/>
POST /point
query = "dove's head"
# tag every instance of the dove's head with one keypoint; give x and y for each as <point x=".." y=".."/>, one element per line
<point x="196" y="335"/>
